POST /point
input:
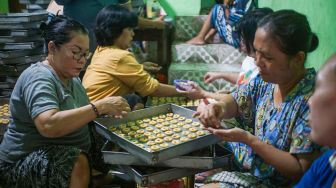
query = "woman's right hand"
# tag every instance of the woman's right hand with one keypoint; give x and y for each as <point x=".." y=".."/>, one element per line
<point x="211" y="76"/>
<point x="113" y="106"/>
<point x="209" y="115"/>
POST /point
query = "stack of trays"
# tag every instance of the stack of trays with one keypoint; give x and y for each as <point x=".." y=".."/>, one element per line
<point x="35" y="5"/>
<point x="20" y="45"/>
<point x="159" y="137"/>
<point x="180" y="101"/>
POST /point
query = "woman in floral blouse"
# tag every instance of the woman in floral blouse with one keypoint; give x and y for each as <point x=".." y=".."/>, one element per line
<point x="272" y="146"/>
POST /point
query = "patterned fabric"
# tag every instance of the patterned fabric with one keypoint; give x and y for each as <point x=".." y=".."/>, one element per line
<point x="51" y="166"/>
<point x="225" y="26"/>
<point x="285" y="127"/>
<point x="47" y="167"/>
<point x="209" y="54"/>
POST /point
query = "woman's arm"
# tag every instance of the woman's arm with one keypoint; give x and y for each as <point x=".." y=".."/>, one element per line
<point x="54" y="123"/>
<point x="289" y="165"/>
<point x="165" y="90"/>
<point x="227" y="76"/>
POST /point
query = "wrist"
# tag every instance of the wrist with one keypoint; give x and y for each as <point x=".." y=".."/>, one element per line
<point x="95" y="109"/>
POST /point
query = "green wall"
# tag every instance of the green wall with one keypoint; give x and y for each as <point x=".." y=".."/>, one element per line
<point x="321" y="15"/>
<point x="3" y="6"/>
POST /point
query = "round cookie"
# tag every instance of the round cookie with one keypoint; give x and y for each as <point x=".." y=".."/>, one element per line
<point x="200" y="133"/>
<point x="152" y="122"/>
<point x="188" y="121"/>
<point x="175" y="116"/>
<point x="156" y="131"/>
<point x="181" y="118"/>
<point x="155" y="148"/>
<point x="196" y="124"/>
<point x="184" y="139"/>
<point x="162" y="116"/>
<point x="185" y="133"/>
<point x="164" y="145"/>
<point x="170" y="114"/>
<point x="164" y="129"/>
<point x="160" y="135"/>
<point x="175" y="142"/>
<point x="192" y="136"/>
<point x="175" y="136"/>
<point x="158" y="141"/>
<point x="177" y="130"/>
<point x="186" y="126"/>
<point x="169" y="133"/>
<point x="167" y="139"/>
<point x="140" y="131"/>
<point x="150" y="143"/>
<point x="150" y="129"/>
<point x="193" y="129"/>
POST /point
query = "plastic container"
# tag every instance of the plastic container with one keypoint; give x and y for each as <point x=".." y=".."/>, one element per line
<point x="183" y="85"/>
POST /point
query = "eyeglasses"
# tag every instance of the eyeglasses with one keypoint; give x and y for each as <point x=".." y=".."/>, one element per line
<point x="79" y="55"/>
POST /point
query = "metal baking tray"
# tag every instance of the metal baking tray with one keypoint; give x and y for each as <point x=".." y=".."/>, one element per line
<point x="205" y="159"/>
<point x="145" y="176"/>
<point x="102" y="125"/>
<point x="180" y="101"/>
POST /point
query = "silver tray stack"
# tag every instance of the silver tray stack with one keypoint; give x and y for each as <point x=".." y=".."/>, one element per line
<point x="174" y="160"/>
<point x="20" y="45"/>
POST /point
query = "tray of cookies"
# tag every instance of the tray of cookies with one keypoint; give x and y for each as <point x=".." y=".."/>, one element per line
<point x="180" y="101"/>
<point x="4" y="116"/>
<point x="145" y="176"/>
<point x="206" y="158"/>
<point x="158" y="133"/>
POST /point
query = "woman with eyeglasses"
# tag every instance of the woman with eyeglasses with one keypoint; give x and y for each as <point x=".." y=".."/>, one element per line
<point x="48" y="142"/>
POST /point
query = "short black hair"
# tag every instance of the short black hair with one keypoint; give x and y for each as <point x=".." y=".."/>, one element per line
<point x="291" y="30"/>
<point x="111" y="21"/>
<point x="247" y="26"/>
<point x="59" y="30"/>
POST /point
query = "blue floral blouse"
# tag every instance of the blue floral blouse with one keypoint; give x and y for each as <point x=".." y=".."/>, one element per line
<point x="285" y="127"/>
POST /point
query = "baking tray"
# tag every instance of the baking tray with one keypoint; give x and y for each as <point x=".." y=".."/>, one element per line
<point x="180" y="101"/>
<point x="145" y="176"/>
<point x="103" y="124"/>
<point x="204" y="159"/>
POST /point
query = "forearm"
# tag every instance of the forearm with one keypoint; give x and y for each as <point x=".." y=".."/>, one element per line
<point x="216" y="96"/>
<point x="284" y="162"/>
<point x="55" y="123"/>
<point x="231" y="77"/>
<point x="165" y="90"/>
<point x="229" y="106"/>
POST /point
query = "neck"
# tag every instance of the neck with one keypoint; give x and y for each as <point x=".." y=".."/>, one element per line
<point x="282" y="90"/>
<point x="50" y="62"/>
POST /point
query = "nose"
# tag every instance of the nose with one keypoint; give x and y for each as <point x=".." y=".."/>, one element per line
<point x="257" y="58"/>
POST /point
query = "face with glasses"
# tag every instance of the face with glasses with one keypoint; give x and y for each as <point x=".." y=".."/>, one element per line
<point x="69" y="59"/>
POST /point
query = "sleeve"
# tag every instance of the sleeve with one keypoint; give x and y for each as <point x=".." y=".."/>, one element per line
<point x="301" y="142"/>
<point x="39" y="94"/>
<point x="132" y="74"/>
<point x="244" y="97"/>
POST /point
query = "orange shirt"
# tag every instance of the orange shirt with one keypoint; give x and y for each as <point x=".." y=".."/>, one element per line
<point x="115" y="72"/>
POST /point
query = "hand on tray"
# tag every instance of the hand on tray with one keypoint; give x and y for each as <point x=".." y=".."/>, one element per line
<point x="209" y="115"/>
<point x="116" y="107"/>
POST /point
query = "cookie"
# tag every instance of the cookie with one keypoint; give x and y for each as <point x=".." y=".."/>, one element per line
<point x="175" y="142"/>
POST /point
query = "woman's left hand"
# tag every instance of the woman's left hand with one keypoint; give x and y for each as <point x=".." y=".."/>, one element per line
<point x="232" y="135"/>
<point x="196" y="92"/>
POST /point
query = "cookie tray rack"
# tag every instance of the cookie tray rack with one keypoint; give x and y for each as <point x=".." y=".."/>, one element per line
<point x="204" y="159"/>
<point x="152" y="158"/>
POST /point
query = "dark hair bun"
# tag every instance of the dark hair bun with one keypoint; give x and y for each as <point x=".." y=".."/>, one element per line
<point x="314" y="42"/>
<point x="43" y="28"/>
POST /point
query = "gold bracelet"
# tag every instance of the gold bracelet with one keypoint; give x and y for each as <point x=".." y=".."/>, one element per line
<point x="95" y="109"/>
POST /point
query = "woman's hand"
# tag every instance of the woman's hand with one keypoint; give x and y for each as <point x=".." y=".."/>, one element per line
<point x="210" y="115"/>
<point x="211" y="76"/>
<point x="151" y="67"/>
<point x="232" y="135"/>
<point x="196" y="92"/>
<point x="113" y="106"/>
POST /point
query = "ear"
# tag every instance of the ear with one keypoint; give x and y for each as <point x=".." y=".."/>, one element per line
<point x="51" y="47"/>
<point x="300" y="57"/>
